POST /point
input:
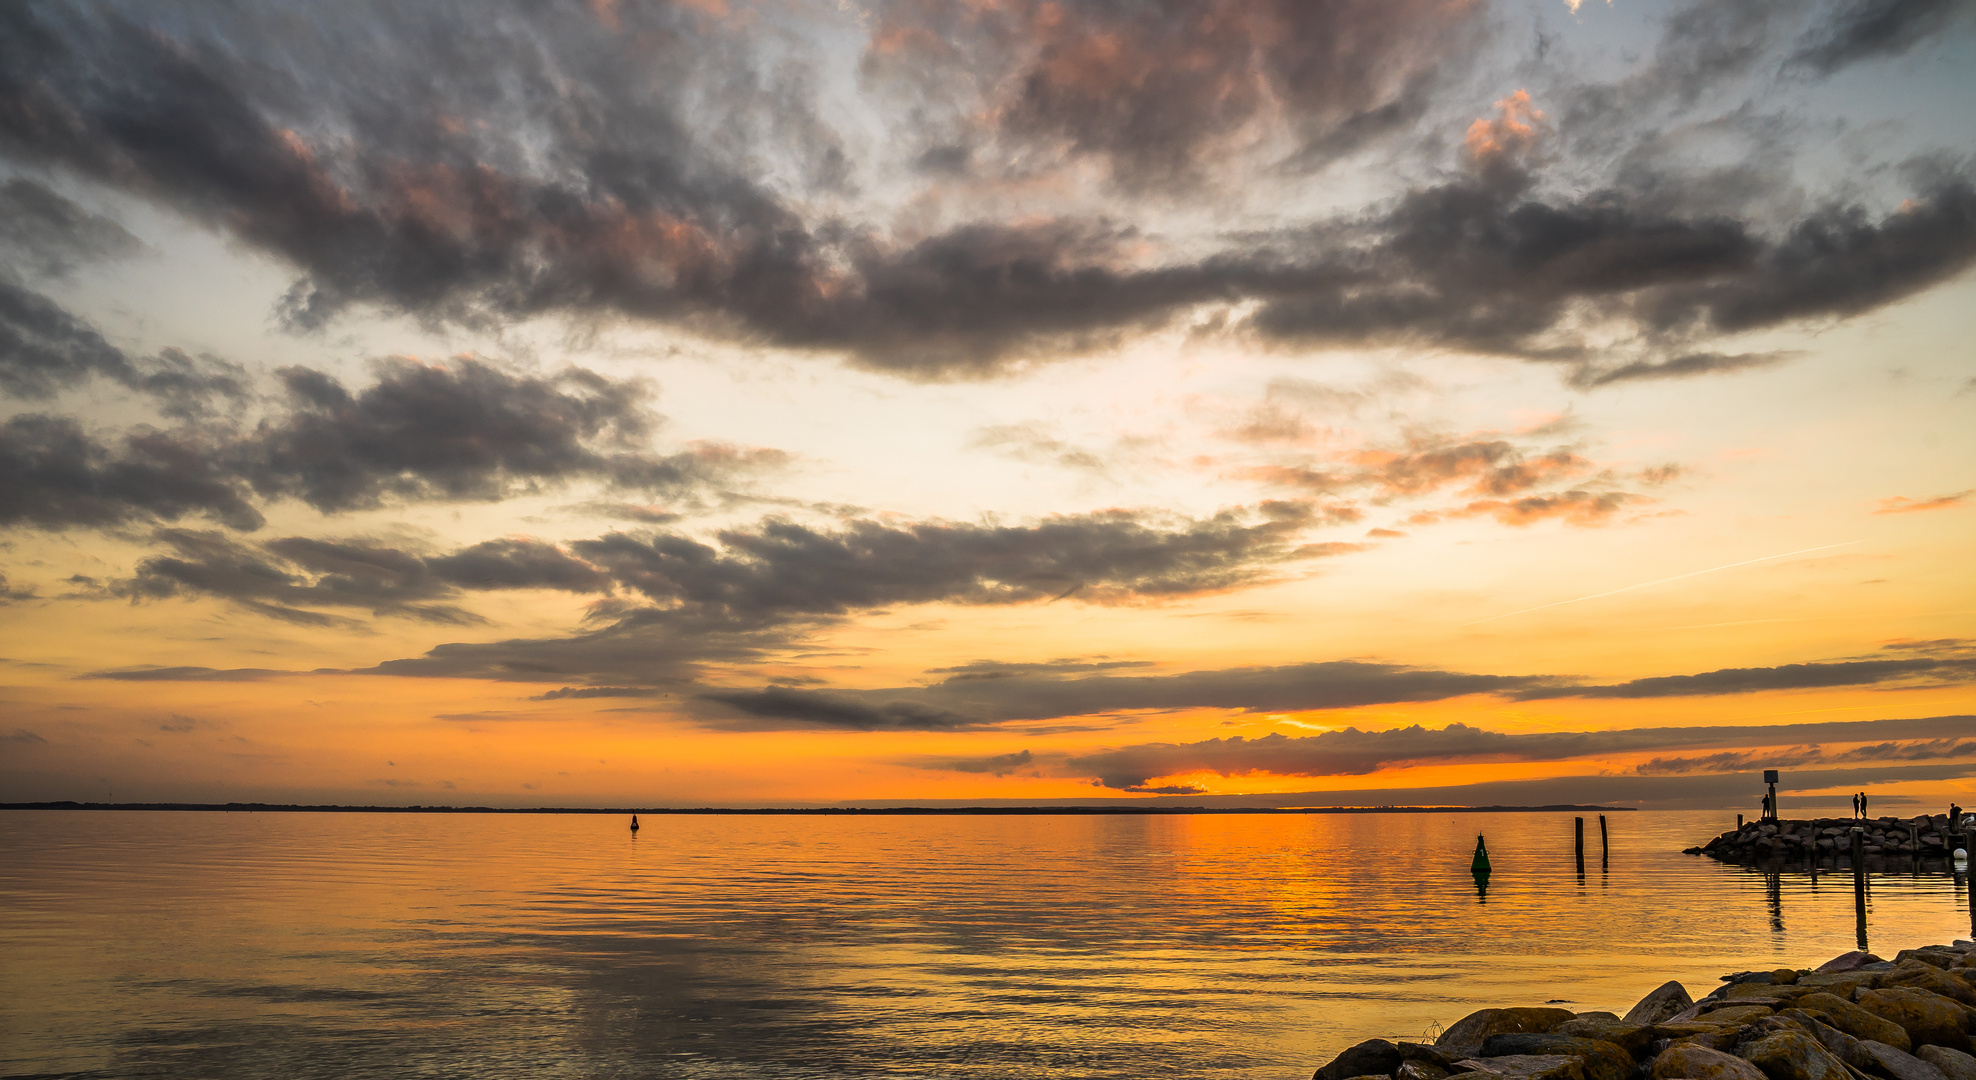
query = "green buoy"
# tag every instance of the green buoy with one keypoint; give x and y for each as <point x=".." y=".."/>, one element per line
<point x="1481" y="863"/>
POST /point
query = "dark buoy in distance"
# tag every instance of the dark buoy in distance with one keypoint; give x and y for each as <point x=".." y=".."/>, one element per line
<point x="1481" y="863"/>
<point x="634" y="824"/>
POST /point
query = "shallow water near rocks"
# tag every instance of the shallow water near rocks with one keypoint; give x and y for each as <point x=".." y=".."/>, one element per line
<point x="404" y="945"/>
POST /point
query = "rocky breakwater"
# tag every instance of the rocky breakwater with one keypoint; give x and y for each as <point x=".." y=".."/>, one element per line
<point x="1924" y="837"/>
<point x="1858" y="1017"/>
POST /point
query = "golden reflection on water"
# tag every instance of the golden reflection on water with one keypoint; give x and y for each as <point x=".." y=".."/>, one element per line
<point x="205" y="944"/>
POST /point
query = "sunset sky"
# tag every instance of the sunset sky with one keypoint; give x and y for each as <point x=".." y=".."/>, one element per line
<point x="754" y="403"/>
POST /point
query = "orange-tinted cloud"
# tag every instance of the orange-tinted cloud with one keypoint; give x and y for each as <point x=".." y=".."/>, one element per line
<point x="1901" y="504"/>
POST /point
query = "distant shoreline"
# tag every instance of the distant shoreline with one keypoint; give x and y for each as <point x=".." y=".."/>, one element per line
<point x="817" y="811"/>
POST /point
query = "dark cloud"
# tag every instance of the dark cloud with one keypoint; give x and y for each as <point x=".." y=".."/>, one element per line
<point x="286" y="577"/>
<point x="1782" y="677"/>
<point x="762" y="588"/>
<point x="784" y="568"/>
<point x="998" y="764"/>
<point x="963" y="701"/>
<point x="517" y="563"/>
<point x="568" y="693"/>
<point x="53" y="475"/>
<point x="1875" y="29"/>
<point x="464" y="430"/>
<point x="23" y="736"/>
<point x="10" y="593"/>
<point x="1679" y="367"/>
<point x="44" y="235"/>
<point x="996" y="669"/>
<point x="1745" y="761"/>
<point x="44" y="349"/>
<point x="1491" y="266"/>
<point x="1352" y="752"/>
<point x="1158" y="93"/>
<point x="526" y="162"/>
<point x="187" y="674"/>
<point x="785" y="708"/>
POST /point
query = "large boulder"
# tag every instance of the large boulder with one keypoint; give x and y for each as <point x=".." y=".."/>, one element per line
<point x="1925" y="1017"/>
<point x="1954" y="1064"/>
<point x="1602" y="1060"/>
<point x="1793" y="1055"/>
<point x="1843" y="1046"/>
<point x="1695" y="1033"/>
<point x="1528" y="1067"/>
<point x="1934" y="955"/>
<point x="1840" y="983"/>
<point x="1421" y="1052"/>
<point x="1367" y="1058"/>
<point x="1465" y="1036"/>
<point x="1686" y="1061"/>
<point x="1768" y="992"/>
<point x="1898" y="1064"/>
<point x="1737" y="1013"/>
<point x="1420" y="1070"/>
<point x="1855" y="1021"/>
<point x="1915" y="974"/>
<point x="1849" y="961"/>
<point x="1666" y="1001"/>
<point x="1632" y="1038"/>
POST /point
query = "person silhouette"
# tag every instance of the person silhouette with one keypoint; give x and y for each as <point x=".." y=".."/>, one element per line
<point x="1862" y="804"/>
<point x="1855" y="805"/>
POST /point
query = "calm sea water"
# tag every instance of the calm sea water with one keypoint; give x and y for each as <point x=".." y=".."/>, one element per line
<point x="346" y="945"/>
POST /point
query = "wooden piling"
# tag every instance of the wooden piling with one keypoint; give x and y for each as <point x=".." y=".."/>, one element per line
<point x="1739" y="821"/>
<point x="1581" y="843"/>
<point x="1605" y="846"/>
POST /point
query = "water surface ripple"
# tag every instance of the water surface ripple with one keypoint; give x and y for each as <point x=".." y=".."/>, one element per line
<point x="406" y="945"/>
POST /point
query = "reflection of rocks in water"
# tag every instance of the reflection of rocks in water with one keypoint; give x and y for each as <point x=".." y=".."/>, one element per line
<point x="1856" y="1015"/>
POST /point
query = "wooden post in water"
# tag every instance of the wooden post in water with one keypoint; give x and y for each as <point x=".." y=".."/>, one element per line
<point x="1859" y="882"/>
<point x="1605" y="846"/>
<point x="1581" y="844"/>
<point x="1739" y="821"/>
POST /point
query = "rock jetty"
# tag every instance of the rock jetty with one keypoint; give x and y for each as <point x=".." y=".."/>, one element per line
<point x="1857" y="1017"/>
<point x="1921" y="837"/>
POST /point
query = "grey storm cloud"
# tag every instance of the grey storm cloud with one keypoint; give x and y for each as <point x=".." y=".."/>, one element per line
<point x="783" y="567"/>
<point x="523" y="163"/>
<point x="187" y="674"/>
<point x="763" y="588"/>
<point x="1352" y="752"/>
<point x="55" y="475"/>
<point x="782" y="708"/>
<point x="1876" y="29"/>
<point x="987" y="695"/>
<point x="45" y="235"/>
<point x="286" y="577"/>
<point x="44" y="349"/>
<point x="965" y="701"/>
<point x="1955" y="668"/>
<point x="1797" y="756"/>
<point x="464" y="430"/>
<point x="1153" y="90"/>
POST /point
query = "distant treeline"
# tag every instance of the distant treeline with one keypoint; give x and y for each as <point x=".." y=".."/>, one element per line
<point x="812" y="811"/>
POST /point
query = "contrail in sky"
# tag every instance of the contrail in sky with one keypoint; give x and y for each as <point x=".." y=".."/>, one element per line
<point x="1662" y="581"/>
